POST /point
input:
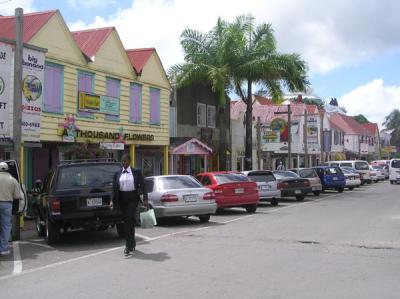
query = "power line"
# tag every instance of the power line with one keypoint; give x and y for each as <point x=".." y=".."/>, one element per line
<point x="5" y="1"/>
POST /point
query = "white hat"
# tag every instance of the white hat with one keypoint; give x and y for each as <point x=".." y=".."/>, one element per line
<point x="3" y="166"/>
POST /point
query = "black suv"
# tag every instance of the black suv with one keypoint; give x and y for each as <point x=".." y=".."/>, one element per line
<point x="77" y="194"/>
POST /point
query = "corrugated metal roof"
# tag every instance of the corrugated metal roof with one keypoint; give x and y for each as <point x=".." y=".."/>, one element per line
<point x="33" y="22"/>
<point x="90" y="40"/>
<point x="139" y="57"/>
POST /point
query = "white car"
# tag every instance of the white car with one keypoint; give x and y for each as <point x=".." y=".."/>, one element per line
<point x="394" y="171"/>
<point x="352" y="179"/>
<point x="380" y="172"/>
<point x="267" y="185"/>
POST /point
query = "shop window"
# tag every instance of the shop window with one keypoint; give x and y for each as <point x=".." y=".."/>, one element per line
<point x="113" y="91"/>
<point x="136" y="103"/>
<point x="201" y="114"/>
<point x="154" y="106"/>
<point x="53" y="88"/>
<point x="85" y="84"/>
<point x="211" y="116"/>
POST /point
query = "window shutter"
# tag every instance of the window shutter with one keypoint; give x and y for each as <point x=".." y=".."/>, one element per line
<point x="53" y="89"/>
<point x="154" y="106"/>
<point x="211" y="116"/>
<point x="135" y="103"/>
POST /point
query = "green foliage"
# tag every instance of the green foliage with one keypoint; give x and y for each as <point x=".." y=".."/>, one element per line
<point x="360" y="119"/>
<point x="392" y="122"/>
<point x="85" y="150"/>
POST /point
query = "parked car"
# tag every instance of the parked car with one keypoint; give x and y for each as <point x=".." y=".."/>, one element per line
<point x="180" y="195"/>
<point x="373" y="174"/>
<point x="331" y="177"/>
<point x="362" y="167"/>
<point x="78" y="194"/>
<point x="380" y="172"/>
<point x="231" y="189"/>
<point x="352" y="178"/>
<point x="394" y="171"/>
<point x="291" y="184"/>
<point x="267" y="185"/>
<point x="312" y="176"/>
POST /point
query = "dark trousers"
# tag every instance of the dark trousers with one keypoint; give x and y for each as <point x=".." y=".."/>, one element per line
<point x="128" y="202"/>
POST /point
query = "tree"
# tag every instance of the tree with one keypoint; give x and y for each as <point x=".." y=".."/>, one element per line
<point x="392" y="122"/>
<point x="360" y="119"/>
<point x="255" y="60"/>
<point x="206" y="62"/>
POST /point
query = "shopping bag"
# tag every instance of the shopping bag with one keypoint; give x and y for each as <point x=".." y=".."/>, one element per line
<point x="148" y="219"/>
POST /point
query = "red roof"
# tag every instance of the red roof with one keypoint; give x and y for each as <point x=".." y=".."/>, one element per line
<point x="262" y="100"/>
<point x="372" y="128"/>
<point x="90" y="41"/>
<point x="33" y="22"/>
<point x="139" y="57"/>
<point x="347" y="124"/>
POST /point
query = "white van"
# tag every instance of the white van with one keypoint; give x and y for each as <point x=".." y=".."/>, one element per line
<point x="360" y="166"/>
<point x="394" y="171"/>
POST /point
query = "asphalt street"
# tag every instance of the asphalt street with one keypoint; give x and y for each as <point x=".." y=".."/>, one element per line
<point x="337" y="245"/>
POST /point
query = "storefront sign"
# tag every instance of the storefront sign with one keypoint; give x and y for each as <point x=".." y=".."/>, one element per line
<point x="5" y="91"/>
<point x="32" y="93"/>
<point x="112" y="146"/>
<point x="68" y="129"/>
<point x="277" y="131"/>
<point x="312" y="132"/>
<point x="114" y="135"/>
<point x="89" y="102"/>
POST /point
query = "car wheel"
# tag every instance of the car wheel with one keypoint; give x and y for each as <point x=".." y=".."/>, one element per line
<point x="392" y="182"/>
<point x="102" y="228"/>
<point x="40" y="227"/>
<point x="204" y="218"/>
<point x="251" y="208"/>
<point x="299" y="197"/>
<point x="121" y="230"/>
<point x="274" y="202"/>
<point x="351" y="188"/>
<point x="317" y="193"/>
<point x="52" y="232"/>
<point x="340" y="190"/>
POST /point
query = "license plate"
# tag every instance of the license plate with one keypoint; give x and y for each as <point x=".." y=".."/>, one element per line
<point x="190" y="198"/>
<point x="94" y="202"/>
<point x="265" y="187"/>
<point x="239" y="190"/>
<point x="297" y="191"/>
<point x="335" y="178"/>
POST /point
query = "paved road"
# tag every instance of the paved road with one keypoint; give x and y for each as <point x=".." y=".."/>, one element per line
<point x="333" y="246"/>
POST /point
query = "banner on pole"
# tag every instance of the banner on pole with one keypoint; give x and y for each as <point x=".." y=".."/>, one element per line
<point x="5" y="90"/>
<point x="32" y="94"/>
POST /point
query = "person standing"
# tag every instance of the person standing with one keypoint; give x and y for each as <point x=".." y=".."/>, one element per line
<point x="128" y="186"/>
<point x="9" y="190"/>
<point x="281" y="166"/>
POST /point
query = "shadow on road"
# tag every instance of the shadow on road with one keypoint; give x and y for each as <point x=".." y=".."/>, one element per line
<point x="155" y="257"/>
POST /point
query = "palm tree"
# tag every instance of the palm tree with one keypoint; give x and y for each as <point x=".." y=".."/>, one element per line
<point x="206" y="57"/>
<point x="392" y="122"/>
<point x="255" y="60"/>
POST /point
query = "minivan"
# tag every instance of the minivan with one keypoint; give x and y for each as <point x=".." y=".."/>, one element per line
<point x="394" y="171"/>
<point x="360" y="166"/>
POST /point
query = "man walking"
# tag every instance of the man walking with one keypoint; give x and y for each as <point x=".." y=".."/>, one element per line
<point x="9" y="190"/>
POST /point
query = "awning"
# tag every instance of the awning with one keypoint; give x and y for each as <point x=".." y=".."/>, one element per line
<point x="188" y="146"/>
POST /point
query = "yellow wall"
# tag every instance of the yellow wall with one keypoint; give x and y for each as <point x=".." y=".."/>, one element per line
<point x="153" y="72"/>
<point x="110" y="61"/>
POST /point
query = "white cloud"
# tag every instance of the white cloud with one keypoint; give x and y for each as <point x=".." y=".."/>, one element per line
<point x="328" y="34"/>
<point x="374" y="100"/>
<point x="91" y="3"/>
<point x="8" y="8"/>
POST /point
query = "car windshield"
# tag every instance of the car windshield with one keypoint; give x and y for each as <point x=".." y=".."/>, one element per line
<point x="361" y="165"/>
<point x="333" y="170"/>
<point x="261" y="177"/>
<point x="344" y="164"/>
<point x="285" y="174"/>
<point x="395" y="164"/>
<point x="377" y="167"/>
<point x="348" y="169"/>
<point x="92" y="175"/>
<point x="307" y="173"/>
<point x="177" y="182"/>
<point x="230" y="178"/>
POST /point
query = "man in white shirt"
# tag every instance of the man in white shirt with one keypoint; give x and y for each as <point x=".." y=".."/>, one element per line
<point x="9" y="190"/>
<point x="128" y="186"/>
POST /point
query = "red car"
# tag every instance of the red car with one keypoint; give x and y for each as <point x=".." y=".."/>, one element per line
<point x="231" y="189"/>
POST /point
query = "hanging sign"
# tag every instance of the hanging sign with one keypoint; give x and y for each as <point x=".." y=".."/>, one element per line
<point x="32" y="94"/>
<point x="5" y="91"/>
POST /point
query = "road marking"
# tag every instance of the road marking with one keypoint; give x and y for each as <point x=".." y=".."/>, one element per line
<point x="18" y="266"/>
<point x="37" y="244"/>
<point x="146" y="238"/>
<point x="17" y="259"/>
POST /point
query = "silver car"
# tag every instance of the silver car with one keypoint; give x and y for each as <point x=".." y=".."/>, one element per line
<point x="180" y="195"/>
<point x="312" y="176"/>
<point x="267" y="185"/>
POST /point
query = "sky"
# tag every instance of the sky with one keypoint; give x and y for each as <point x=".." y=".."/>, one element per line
<point x="352" y="48"/>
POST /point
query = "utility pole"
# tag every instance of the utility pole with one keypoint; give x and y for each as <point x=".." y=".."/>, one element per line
<point x="258" y="139"/>
<point x="288" y="112"/>
<point x="17" y="114"/>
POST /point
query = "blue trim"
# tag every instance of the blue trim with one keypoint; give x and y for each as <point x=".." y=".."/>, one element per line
<point x="88" y="115"/>
<point x="61" y="67"/>
<point x="140" y="104"/>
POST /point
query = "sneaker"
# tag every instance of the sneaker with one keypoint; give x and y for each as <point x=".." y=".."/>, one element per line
<point x="4" y="253"/>
<point x="127" y="252"/>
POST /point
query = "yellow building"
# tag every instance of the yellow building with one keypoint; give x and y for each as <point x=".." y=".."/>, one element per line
<point x="96" y="92"/>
